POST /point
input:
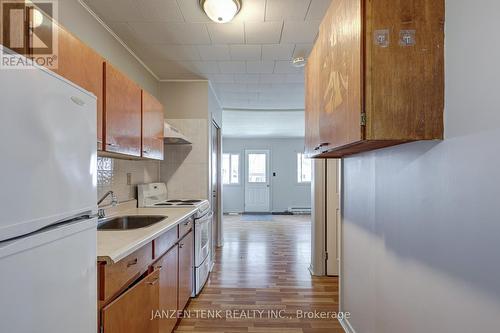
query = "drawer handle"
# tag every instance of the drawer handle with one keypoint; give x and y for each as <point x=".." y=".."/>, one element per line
<point x="152" y="283"/>
<point x="132" y="263"/>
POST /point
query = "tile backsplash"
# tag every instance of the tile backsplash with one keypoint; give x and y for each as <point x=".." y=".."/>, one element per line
<point x="112" y="175"/>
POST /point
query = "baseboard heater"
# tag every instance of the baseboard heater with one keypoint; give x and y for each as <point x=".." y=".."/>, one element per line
<point x="299" y="210"/>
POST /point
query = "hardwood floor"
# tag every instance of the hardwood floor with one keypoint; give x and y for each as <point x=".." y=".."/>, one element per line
<point x="264" y="266"/>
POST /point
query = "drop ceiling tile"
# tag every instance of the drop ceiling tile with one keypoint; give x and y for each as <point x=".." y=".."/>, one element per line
<point x="302" y="50"/>
<point x="260" y="67"/>
<point x="277" y="51"/>
<point x="252" y="10"/>
<point x="125" y="32"/>
<point x="317" y="9"/>
<point x="263" y="32"/>
<point x="258" y="87"/>
<point x="232" y="67"/>
<point x="202" y="67"/>
<point x="160" y="10"/>
<point x="231" y="87"/>
<point x="109" y="10"/>
<point x="229" y="33"/>
<point x="245" y="52"/>
<point x="272" y="78"/>
<point x="295" y="78"/>
<point x="170" y="33"/>
<point x="192" y="12"/>
<point x="299" y="32"/>
<point x="214" y="52"/>
<point x="168" y="52"/>
<point x="246" y="78"/>
<point x="221" y="78"/>
<point x="285" y="67"/>
<point x="286" y="9"/>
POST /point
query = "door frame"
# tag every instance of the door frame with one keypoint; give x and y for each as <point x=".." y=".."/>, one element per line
<point x="217" y="232"/>
<point x="268" y="173"/>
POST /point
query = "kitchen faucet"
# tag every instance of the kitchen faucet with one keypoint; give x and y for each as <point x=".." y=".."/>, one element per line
<point x="114" y="201"/>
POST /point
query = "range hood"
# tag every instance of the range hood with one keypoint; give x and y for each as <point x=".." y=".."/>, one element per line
<point x="173" y="136"/>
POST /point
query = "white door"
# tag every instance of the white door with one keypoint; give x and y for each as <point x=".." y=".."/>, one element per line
<point x="257" y="185"/>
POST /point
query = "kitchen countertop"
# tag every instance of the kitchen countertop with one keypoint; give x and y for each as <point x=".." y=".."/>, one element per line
<point x="112" y="246"/>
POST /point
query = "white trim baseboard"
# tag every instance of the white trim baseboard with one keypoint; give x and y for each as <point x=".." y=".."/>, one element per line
<point x="346" y="325"/>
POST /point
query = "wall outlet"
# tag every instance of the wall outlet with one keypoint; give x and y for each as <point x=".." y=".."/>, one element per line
<point x="129" y="179"/>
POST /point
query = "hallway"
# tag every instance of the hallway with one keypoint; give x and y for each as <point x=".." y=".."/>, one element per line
<point x="263" y="266"/>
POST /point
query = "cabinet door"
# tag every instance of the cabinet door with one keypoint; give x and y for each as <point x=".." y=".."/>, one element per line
<point x="131" y="312"/>
<point x="185" y="270"/>
<point x="81" y="65"/>
<point x="152" y="127"/>
<point x="312" y="139"/>
<point x="340" y="75"/>
<point x="168" y="266"/>
<point x="122" y="113"/>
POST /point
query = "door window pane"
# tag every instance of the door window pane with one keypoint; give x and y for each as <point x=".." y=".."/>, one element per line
<point x="257" y="168"/>
<point x="225" y="168"/>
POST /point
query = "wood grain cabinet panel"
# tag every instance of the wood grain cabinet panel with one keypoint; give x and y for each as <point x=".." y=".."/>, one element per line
<point x="152" y="127"/>
<point x="131" y="312"/>
<point x="381" y="76"/>
<point x="185" y="269"/>
<point x="168" y="266"/>
<point x="122" y="113"/>
<point x="83" y="66"/>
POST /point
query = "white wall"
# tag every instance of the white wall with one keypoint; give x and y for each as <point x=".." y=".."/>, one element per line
<point x="422" y="221"/>
<point x="285" y="191"/>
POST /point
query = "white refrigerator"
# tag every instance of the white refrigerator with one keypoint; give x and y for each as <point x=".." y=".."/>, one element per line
<point x="48" y="203"/>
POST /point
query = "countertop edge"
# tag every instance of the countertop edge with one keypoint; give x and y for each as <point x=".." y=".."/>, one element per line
<point x="115" y="257"/>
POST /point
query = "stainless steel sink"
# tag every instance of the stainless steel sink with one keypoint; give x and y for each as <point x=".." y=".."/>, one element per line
<point x="129" y="222"/>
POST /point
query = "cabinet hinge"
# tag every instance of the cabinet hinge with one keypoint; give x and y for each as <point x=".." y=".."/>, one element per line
<point x="363" y="119"/>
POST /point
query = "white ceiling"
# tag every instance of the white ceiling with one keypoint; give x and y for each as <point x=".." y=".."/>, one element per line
<point x="263" y="124"/>
<point x="247" y="60"/>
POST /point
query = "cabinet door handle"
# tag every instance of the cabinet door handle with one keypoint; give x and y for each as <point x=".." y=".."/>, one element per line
<point x="186" y="223"/>
<point x="111" y="144"/>
<point x="181" y="245"/>
<point x="132" y="263"/>
<point x="145" y="151"/>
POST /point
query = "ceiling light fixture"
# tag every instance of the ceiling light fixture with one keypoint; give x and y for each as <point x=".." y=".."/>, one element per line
<point x="298" y="62"/>
<point x="221" y="11"/>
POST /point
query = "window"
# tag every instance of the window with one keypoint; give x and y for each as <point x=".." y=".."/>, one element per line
<point x="257" y="172"/>
<point x="230" y="169"/>
<point x="304" y="169"/>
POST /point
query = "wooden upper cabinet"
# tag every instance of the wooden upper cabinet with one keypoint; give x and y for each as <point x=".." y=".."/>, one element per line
<point x="122" y="113"/>
<point x="312" y="139"/>
<point x="152" y="127"/>
<point x="381" y="76"/>
<point x="185" y="270"/>
<point x="83" y="66"/>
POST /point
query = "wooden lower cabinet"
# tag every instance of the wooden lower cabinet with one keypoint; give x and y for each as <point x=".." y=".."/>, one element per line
<point x="186" y="261"/>
<point x="168" y="265"/>
<point x="131" y="312"/>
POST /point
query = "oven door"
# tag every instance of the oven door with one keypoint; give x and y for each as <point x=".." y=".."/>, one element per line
<point x="202" y="230"/>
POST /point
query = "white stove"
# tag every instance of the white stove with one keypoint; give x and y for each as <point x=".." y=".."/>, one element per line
<point x="155" y="195"/>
